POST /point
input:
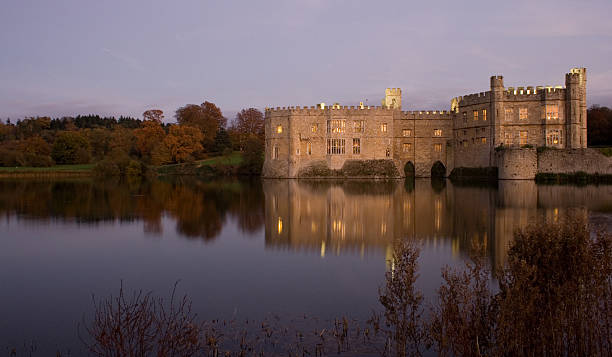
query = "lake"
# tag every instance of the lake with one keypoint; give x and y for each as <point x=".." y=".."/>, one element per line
<point x="245" y="249"/>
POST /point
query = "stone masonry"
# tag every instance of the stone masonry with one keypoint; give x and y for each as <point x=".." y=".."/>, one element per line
<point x="467" y="135"/>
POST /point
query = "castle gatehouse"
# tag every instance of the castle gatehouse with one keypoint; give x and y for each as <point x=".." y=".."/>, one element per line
<point x="323" y="140"/>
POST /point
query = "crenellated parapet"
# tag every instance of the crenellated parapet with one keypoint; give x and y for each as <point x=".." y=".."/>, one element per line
<point x="474" y="99"/>
<point x="426" y="114"/>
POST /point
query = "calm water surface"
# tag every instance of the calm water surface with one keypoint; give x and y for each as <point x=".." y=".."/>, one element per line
<point x="245" y="249"/>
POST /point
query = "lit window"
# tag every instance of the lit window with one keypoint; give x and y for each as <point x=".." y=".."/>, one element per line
<point x="314" y="128"/>
<point x="279" y="129"/>
<point x="554" y="137"/>
<point x="438" y="147"/>
<point x="483" y="140"/>
<point x="309" y="148"/>
<point x="484" y="114"/>
<point x="383" y="127"/>
<point x="356" y="146"/>
<point x="523" y="137"/>
<point x="358" y="126"/>
<point x="406" y="132"/>
<point x="523" y="113"/>
<point x="552" y="111"/>
<point x="465" y="117"/>
<point x="465" y="143"/>
<point x="437" y="132"/>
<point x="407" y="147"/>
<point x="275" y="153"/>
<point x="336" y="126"/>
<point x="475" y="114"/>
<point x="388" y="152"/>
<point x="280" y="225"/>
<point x="335" y="146"/>
<point x="508" y="114"/>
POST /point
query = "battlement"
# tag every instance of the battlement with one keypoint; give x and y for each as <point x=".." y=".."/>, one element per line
<point x="356" y="110"/>
<point x="473" y="99"/>
<point x="393" y="91"/>
<point x="426" y="114"/>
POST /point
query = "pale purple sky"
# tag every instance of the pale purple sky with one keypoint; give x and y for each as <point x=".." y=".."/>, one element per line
<point x="111" y="57"/>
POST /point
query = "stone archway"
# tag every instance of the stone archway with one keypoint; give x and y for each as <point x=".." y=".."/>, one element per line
<point x="409" y="169"/>
<point x="438" y="169"/>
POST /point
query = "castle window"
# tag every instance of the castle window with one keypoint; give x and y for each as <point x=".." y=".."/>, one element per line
<point x="484" y="114"/>
<point x="507" y="138"/>
<point x="483" y="140"/>
<point x="552" y="111"/>
<point x="464" y="132"/>
<point x="465" y="143"/>
<point x="314" y="128"/>
<point x="335" y="146"/>
<point x="309" y="148"/>
<point x="438" y="147"/>
<point x="554" y="137"/>
<point x="407" y="147"/>
<point x="279" y="129"/>
<point x="508" y="114"/>
<point x="437" y="132"/>
<point x="358" y="126"/>
<point x="275" y="153"/>
<point x="297" y="151"/>
<point x="383" y="127"/>
<point x="523" y="135"/>
<point x="523" y="113"/>
<point x="356" y="146"/>
<point x="388" y="152"/>
<point x="336" y="126"/>
<point x="464" y="117"/>
<point x="475" y="113"/>
<point x="406" y="132"/>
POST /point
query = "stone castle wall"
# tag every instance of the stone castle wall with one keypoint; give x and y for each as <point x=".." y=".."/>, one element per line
<point x="568" y="161"/>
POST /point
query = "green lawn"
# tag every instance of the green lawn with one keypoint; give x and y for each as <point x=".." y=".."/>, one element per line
<point x="606" y="151"/>
<point x="56" y="168"/>
<point x="234" y="158"/>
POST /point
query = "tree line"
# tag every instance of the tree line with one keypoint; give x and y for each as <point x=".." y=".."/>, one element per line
<point x="200" y="131"/>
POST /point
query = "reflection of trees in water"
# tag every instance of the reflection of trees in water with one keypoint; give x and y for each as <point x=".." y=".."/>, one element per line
<point x="199" y="207"/>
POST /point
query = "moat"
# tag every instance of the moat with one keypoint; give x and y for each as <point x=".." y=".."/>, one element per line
<point x="245" y="249"/>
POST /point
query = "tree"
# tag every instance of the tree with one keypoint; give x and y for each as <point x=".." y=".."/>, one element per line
<point x="253" y="156"/>
<point x="207" y="117"/>
<point x="70" y="148"/>
<point x="222" y="141"/>
<point x="155" y="115"/>
<point x="148" y="137"/>
<point x="182" y="142"/>
<point x="249" y="122"/>
<point x="599" y="125"/>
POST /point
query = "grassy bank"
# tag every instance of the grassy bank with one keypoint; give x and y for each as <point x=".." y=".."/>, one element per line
<point x="51" y="171"/>
<point x="223" y="165"/>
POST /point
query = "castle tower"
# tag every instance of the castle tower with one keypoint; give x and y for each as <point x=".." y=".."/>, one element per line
<point x="393" y="98"/>
<point x="497" y="109"/>
<point x="576" y="108"/>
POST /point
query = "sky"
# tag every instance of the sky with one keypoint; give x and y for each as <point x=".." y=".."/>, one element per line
<point x="122" y="57"/>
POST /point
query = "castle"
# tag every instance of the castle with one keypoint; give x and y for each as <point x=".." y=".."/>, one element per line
<point x="322" y="138"/>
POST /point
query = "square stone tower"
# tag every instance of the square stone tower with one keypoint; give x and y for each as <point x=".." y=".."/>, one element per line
<point x="393" y="98"/>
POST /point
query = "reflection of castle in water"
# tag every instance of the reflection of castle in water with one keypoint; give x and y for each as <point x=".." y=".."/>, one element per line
<point x="352" y="216"/>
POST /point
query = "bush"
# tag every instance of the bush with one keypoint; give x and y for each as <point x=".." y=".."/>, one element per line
<point x="253" y="159"/>
<point x="106" y="168"/>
